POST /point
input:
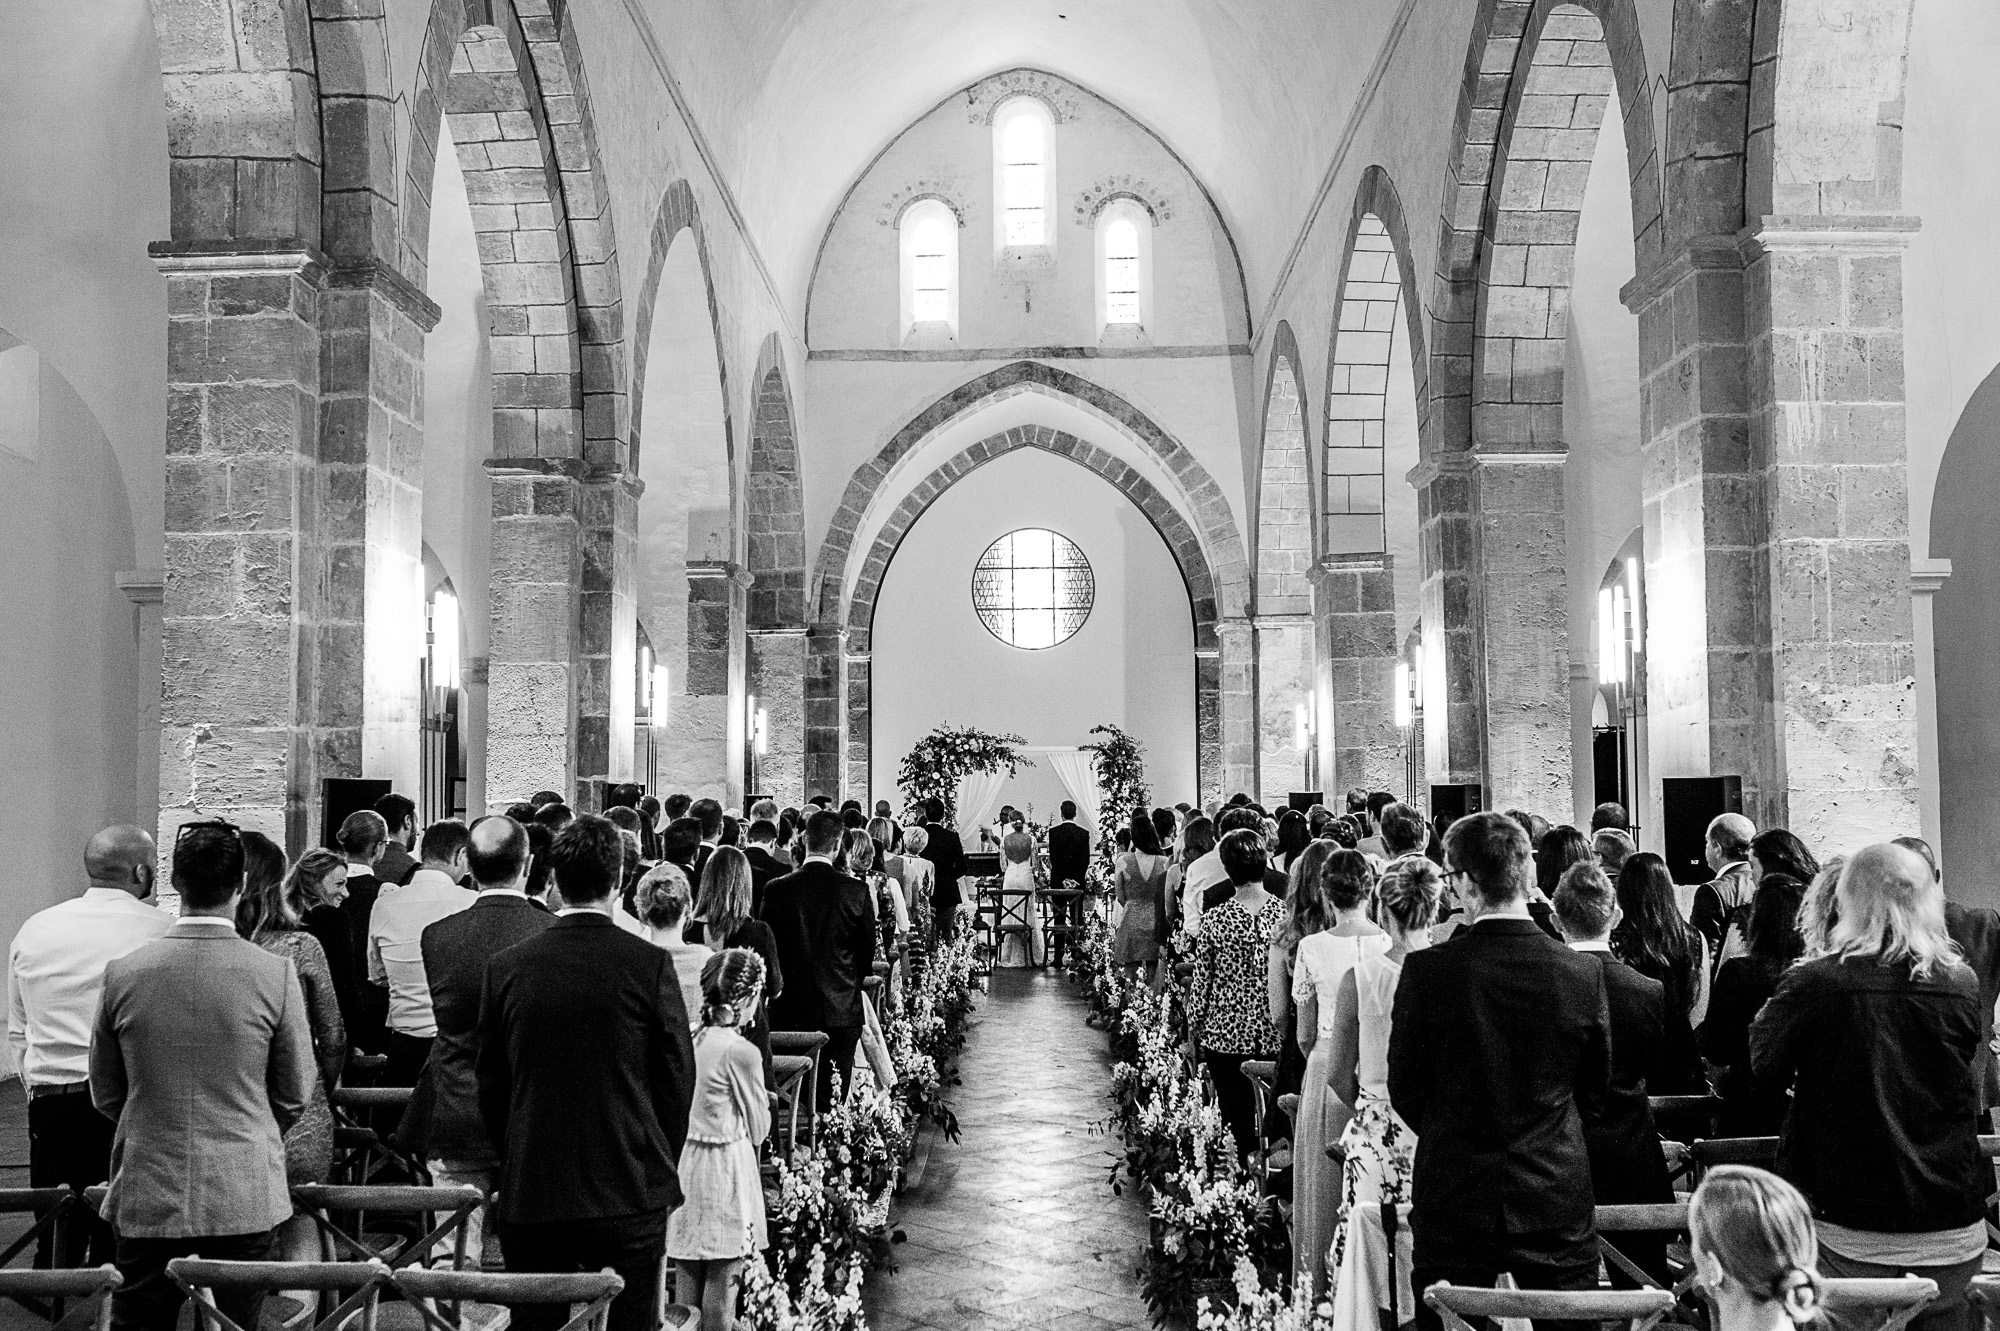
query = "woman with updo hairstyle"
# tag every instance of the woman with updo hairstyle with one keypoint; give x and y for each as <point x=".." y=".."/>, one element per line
<point x="720" y="1221"/>
<point x="1379" y="1148"/>
<point x="1326" y="932"/>
<point x="665" y="901"/>
<point x="1755" y="1253"/>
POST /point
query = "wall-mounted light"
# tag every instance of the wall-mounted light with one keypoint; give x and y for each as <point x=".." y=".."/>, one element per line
<point x="444" y="639"/>
<point x="1405" y="707"/>
<point x="759" y="738"/>
<point x="1305" y="725"/>
<point x="659" y="703"/>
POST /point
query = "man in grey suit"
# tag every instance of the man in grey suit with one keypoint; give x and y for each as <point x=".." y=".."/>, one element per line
<point x="203" y="1057"/>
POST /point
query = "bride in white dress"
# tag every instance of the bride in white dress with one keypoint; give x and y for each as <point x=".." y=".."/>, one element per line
<point x="1021" y="899"/>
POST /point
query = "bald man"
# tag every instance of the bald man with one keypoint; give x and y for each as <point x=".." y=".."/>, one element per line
<point x="1725" y="899"/>
<point x="55" y="974"/>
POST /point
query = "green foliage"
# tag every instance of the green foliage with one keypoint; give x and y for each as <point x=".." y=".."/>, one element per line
<point x="946" y="756"/>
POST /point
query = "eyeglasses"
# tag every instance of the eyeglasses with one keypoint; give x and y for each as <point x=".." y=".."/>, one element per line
<point x="208" y="825"/>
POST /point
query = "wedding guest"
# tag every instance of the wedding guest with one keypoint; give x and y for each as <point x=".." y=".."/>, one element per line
<point x="1534" y="825"/>
<point x="1325" y="929"/>
<point x="1229" y="1018"/>
<point x="664" y="900"/>
<point x="399" y="816"/>
<point x="676" y="806"/>
<point x="1752" y="1106"/>
<point x="1755" y="1255"/>
<point x="1294" y="835"/>
<point x="55" y="972"/>
<point x="362" y="837"/>
<point x="555" y="816"/>
<point x="456" y="950"/>
<point x="1612" y="848"/>
<point x="1197" y="842"/>
<point x="1976" y="931"/>
<point x="1652" y="939"/>
<point x="202" y="1055"/>
<point x="1208" y="871"/>
<point x="1610" y="815"/>
<point x="1718" y="901"/>
<point x="1244" y="819"/>
<point x="1496" y="1038"/>
<point x="919" y="884"/>
<point x="396" y="949"/>
<point x="680" y="846"/>
<point x="885" y="900"/>
<point x="732" y="831"/>
<point x="1404" y="832"/>
<point x="317" y="889"/>
<point x="588" y="1129"/>
<point x="1141" y="890"/>
<point x="1877" y="1040"/>
<point x="707" y="814"/>
<point x="1371" y="841"/>
<point x="721" y="1223"/>
<point x="723" y="918"/>
<point x="1378" y="1147"/>
<point x="650" y="817"/>
<point x="1555" y="851"/>
<point x="540" y="881"/>
<point x="825" y="934"/>
<point x="947" y="856"/>
<point x="1819" y="909"/>
<point x="1167" y="829"/>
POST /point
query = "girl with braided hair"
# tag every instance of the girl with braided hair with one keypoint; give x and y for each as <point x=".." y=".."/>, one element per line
<point x="721" y="1219"/>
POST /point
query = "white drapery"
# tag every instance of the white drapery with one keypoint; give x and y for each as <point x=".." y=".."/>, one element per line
<point x="1079" y="778"/>
<point x="978" y="799"/>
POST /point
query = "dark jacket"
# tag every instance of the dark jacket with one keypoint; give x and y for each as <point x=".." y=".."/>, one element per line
<point x="1976" y="930"/>
<point x="329" y="924"/>
<point x="764" y="866"/>
<point x="396" y="864"/>
<point x="1500" y="1042"/>
<point x="824" y="929"/>
<point x="947" y="854"/>
<point x="1717" y="901"/>
<point x="1881" y="1134"/>
<point x="586" y="1072"/>
<point x="1069" y="855"/>
<point x="456" y="950"/>
<point x="1752" y="1106"/>
<point x="1626" y="1162"/>
<point x="368" y="1025"/>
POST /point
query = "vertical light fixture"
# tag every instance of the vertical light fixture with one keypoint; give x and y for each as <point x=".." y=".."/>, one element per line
<point x="444" y="639"/>
<point x="1405" y="714"/>
<point x="661" y="698"/>
<point x="1301" y="731"/>
<point x="1607" y="660"/>
<point x="646" y="676"/>
<point x="760" y="735"/>
<point x="1422" y="689"/>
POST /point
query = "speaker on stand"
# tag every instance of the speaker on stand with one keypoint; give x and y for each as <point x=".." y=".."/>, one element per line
<point x="1688" y="804"/>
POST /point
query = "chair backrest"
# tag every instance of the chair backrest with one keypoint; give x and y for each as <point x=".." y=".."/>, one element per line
<point x="1985" y="1295"/>
<point x="456" y="1204"/>
<point x="29" y="1288"/>
<point x="361" y="1282"/>
<point x="425" y="1290"/>
<point x="50" y="1206"/>
<point x="1709" y="1152"/>
<point x="1640" y="1218"/>
<point x="1898" y="1300"/>
<point x="1641" y="1308"/>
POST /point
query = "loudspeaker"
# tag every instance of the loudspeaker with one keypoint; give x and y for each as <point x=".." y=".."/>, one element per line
<point x="340" y="796"/>
<point x="1303" y="800"/>
<point x="1688" y="804"/>
<point x="1454" y="802"/>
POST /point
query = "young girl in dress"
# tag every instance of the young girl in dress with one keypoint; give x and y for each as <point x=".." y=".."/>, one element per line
<point x="721" y="1220"/>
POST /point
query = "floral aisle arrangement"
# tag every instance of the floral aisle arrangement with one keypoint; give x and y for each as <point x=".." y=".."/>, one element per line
<point x="926" y="1032"/>
<point x="946" y="756"/>
<point x="1262" y="1309"/>
<point x="1120" y="764"/>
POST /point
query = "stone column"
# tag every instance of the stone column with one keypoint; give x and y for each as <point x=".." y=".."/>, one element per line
<point x="826" y="709"/>
<point x="1447" y="544"/>
<point x="238" y="657"/>
<point x="710" y="733"/>
<point x="858" y="773"/>
<point x="1824" y="300"/>
<point x="1284" y="681"/>
<point x="775" y="661"/>
<point x="371" y="624"/>
<point x="1356" y="596"/>
<point x="1524" y="629"/>
<point x="607" y="636"/>
<point x="1926" y="577"/>
<point x="1238" y="705"/>
<point x="532" y="665"/>
<point x="145" y="588"/>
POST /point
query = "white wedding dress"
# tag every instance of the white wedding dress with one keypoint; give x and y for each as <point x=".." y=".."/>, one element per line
<point x="1020" y="902"/>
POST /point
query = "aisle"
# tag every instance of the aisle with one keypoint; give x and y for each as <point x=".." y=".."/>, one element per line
<point x="1016" y="1225"/>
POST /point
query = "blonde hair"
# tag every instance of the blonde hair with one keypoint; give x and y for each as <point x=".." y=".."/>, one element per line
<point x="860" y="851"/>
<point x="663" y="896"/>
<point x="1410" y="892"/>
<point x="1818" y="909"/>
<point x="1892" y="909"/>
<point x="1759" y="1230"/>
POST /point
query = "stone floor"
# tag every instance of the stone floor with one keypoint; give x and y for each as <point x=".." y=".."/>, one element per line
<point x="1015" y="1224"/>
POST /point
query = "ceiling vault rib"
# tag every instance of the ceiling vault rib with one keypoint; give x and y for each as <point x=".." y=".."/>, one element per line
<point x="1369" y="88"/>
<point x="651" y="42"/>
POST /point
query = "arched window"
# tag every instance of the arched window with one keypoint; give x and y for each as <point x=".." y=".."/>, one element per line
<point x="1124" y="267"/>
<point x="1024" y="173"/>
<point x="930" y="268"/>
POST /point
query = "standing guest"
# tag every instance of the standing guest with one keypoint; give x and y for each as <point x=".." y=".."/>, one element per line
<point x="1276" y="883"/>
<point x="1326" y="930"/>
<point x="789" y="821"/>
<point x="1533" y="824"/>
<point x="707" y="814"/>
<point x="588" y="1129"/>
<point x="1498" y="1040"/>
<point x="1207" y="873"/>
<point x="1612" y="848"/>
<point x="1555" y="851"/>
<point x="362" y="837"/>
<point x="1229" y="1016"/>
<point x="885" y="897"/>
<point x="1718" y="901"/>
<point x="1166" y="827"/>
<point x="1372" y="841"/>
<point x="542" y="798"/>
<point x="676" y="806"/>
<point x="555" y="816"/>
<point x="1404" y="832"/>
<point x="202" y="1055"/>
<point x="396" y="947"/>
<point x="1610" y="815"/>
<point x="456" y="950"/>
<point x="539" y="884"/>
<point x="824" y="928"/>
<point x="680" y="846"/>
<point x="724" y="918"/>
<point x="1778" y="851"/>
<point x="1627" y="1165"/>
<point x="766" y="809"/>
<point x="1755" y="1255"/>
<point x="664" y="900"/>
<point x="1197" y="841"/>
<point x="399" y="816"/>
<point x="1976" y="931"/>
<point x="721" y="1224"/>
<point x="1379" y="1148"/>
<point x="1752" y="1106"/>
<point x="55" y="972"/>
<point x="1294" y="835"/>
<point x="1142" y="891"/>
<point x="317" y="889"/>
<point x="947" y="856"/>
<point x="762" y="856"/>
<point x="1819" y="910"/>
<point x="919" y="883"/>
<point x="1654" y="940"/>
<point x="651" y="820"/>
<point x="1877" y="1039"/>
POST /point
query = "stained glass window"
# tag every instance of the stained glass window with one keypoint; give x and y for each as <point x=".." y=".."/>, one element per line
<point x="1033" y="588"/>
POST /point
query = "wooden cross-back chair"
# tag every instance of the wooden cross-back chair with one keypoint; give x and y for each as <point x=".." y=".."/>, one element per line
<point x="361" y="1282"/>
<point x="52" y="1208"/>
<point x="1639" y="1309"/>
<point x="362" y="1151"/>
<point x="46" y="1293"/>
<point x="443" y="1298"/>
<point x="1847" y="1301"/>
<point x="1263" y="1076"/>
<point x="1644" y="1218"/>
<point x="353" y="1204"/>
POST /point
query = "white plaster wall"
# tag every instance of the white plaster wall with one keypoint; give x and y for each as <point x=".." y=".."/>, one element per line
<point x="1130" y="664"/>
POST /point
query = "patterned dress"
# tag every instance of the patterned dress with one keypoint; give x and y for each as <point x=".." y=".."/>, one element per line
<point x="309" y="1143"/>
<point x="1381" y="1156"/>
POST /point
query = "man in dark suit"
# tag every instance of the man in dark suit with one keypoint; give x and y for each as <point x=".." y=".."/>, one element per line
<point x="1069" y="866"/>
<point x="825" y="932"/>
<point x="456" y="950"/>
<point x="764" y="863"/>
<point x="1626" y="1163"/>
<point x="1500" y="1042"/>
<point x="585" y="1075"/>
<point x="399" y="815"/>
<point x="947" y="856"/>
<point x="363" y="836"/>
<point x="1976" y="930"/>
<point x="707" y="814"/>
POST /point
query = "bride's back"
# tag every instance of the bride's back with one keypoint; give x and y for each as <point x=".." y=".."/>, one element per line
<point x="1017" y="846"/>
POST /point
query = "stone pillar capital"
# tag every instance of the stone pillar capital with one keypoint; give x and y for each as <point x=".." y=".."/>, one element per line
<point x="147" y="586"/>
<point x="570" y="468"/>
<point x="1927" y="576"/>
<point x="1455" y="462"/>
<point x="719" y="568"/>
<point x="1705" y="253"/>
<point x="794" y="631"/>
<point x="1840" y="232"/>
<point x="374" y="275"/>
<point x="1333" y="565"/>
<point x="237" y="258"/>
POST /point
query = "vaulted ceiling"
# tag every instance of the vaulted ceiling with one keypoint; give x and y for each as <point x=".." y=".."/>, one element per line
<point x="797" y="96"/>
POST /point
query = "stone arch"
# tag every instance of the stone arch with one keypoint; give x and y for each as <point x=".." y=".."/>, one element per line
<point x="775" y="655"/>
<point x="1284" y="499"/>
<point x="677" y="213"/>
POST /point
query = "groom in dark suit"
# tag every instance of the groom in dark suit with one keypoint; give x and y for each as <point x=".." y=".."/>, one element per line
<point x="947" y="856"/>
<point x="1069" y="866"/>
<point x="1499" y="1052"/>
<point x="824" y="928"/>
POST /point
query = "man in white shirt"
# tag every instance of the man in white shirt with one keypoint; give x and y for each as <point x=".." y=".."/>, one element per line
<point x="55" y="974"/>
<point x="1207" y="871"/>
<point x="395" y="945"/>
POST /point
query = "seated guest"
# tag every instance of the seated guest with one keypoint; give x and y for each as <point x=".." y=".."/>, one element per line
<point x="824" y="928"/>
<point x="1229" y="1013"/>
<point x="55" y="973"/>
<point x="202" y="1055"/>
<point x="1655" y="941"/>
<point x="663" y="902"/>
<point x="1755" y="1255"/>
<point x="586" y="1073"/>
<point x="1626" y="1163"/>
<point x="396" y="949"/>
<point x="724" y="918"/>
<point x="1877" y="1039"/>
<point x="1976" y="930"/>
<point x="1497" y="1041"/>
<point x="1752" y="1106"/>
